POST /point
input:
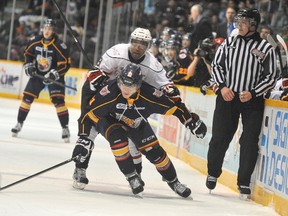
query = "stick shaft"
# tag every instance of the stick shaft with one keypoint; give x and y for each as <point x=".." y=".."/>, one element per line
<point x="71" y="31"/>
<point x="54" y="82"/>
<point x="277" y="49"/>
<point x="38" y="173"/>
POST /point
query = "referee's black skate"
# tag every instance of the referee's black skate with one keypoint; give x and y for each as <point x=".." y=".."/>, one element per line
<point x="245" y="192"/>
<point x="135" y="183"/>
<point x="16" y="129"/>
<point x="179" y="188"/>
<point x="211" y="182"/>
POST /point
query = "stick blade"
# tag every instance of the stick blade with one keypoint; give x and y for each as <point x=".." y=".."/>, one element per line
<point x="271" y="41"/>
<point x="282" y="42"/>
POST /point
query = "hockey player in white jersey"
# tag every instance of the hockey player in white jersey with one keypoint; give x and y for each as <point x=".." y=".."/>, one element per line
<point x="108" y="67"/>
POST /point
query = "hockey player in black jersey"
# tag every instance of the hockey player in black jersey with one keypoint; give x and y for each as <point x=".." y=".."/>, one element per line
<point x="48" y="56"/>
<point x="108" y="67"/>
<point x="121" y="109"/>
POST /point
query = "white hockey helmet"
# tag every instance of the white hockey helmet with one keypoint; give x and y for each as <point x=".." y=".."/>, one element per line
<point x="141" y="34"/>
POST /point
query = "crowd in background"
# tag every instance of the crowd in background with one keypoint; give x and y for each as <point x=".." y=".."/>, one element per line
<point x="162" y="17"/>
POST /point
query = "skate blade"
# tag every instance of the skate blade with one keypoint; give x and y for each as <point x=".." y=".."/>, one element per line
<point x="66" y="140"/>
<point x="78" y="185"/>
<point x="14" y="134"/>
<point x="245" y="197"/>
<point x="139" y="195"/>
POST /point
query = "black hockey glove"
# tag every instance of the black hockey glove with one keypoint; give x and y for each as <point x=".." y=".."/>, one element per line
<point x="196" y="126"/>
<point x="284" y="95"/>
<point x="172" y="68"/>
<point x="206" y="85"/>
<point x="52" y="75"/>
<point x="30" y="69"/>
<point x="210" y="84"/>
<point x="84" y="147"/>
<point x="172" y="92"/>
<point x="96" y="78"/>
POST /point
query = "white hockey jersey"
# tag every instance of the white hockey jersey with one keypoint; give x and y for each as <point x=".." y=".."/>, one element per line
<point x="116" y="58"/>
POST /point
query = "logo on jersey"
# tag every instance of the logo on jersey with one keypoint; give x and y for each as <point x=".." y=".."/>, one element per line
<point x="258" y="53"/>
<point x="63" y="45"/>
<point x="133" y="123"/>
<point x="104" y="91"/>
<point x="157" y="93"/>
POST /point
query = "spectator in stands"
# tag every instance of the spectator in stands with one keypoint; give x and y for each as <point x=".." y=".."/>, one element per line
<point x="264" y="31"/>
<point x="224" y="29"/>
<point x="202" y="27"/>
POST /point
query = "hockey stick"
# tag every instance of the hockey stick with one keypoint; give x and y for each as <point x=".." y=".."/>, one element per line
<point x="277" y="49"/>
<point x="74" y="37"/>
<point x="282" y="42"/>
<point x="43" y="171"/>
<point x="54" y="82"/>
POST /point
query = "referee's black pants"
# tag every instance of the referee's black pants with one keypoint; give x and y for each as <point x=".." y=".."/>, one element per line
<point x="225" y="123"/>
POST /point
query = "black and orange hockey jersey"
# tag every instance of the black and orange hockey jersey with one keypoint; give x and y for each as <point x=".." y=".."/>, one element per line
<point x="130" y="112"/>
<point x="54" y="55"/>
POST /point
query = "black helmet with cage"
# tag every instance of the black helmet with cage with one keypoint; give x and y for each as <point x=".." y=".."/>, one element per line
<point x="173" y="44"/>
<point x="130" y="75"/>
<point x="252" y="15"/>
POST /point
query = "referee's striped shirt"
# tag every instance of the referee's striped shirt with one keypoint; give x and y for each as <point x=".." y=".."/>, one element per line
<point x="245" y="64"/>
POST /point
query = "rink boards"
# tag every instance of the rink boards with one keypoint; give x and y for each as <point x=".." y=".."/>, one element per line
<point x="270" y="178"/>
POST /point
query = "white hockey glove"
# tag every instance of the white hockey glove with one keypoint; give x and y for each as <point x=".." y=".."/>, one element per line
<point x="196" y="126"/>
<point x="96" y="78"/>
<point x="84" y="147"/>
<point x="30" y="69"/>
<point x="51" y="76"/>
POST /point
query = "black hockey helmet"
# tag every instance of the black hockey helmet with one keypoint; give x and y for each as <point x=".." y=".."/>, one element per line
<point x="252" y="15"/>
<point x="173" y="44"/>
<point x="156" y="42"/>
<point x="187" y="36"/>
<point x="49" y="22"/>
<point x="130" y="75"/>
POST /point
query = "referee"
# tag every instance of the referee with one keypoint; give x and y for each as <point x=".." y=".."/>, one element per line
<point x="244" y="68"/>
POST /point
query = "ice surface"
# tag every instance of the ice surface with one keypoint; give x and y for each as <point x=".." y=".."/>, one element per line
<point x="39" y="146"/>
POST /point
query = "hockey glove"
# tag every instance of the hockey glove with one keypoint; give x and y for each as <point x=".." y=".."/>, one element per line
<point x="172" y="92"/>
<point x="84" y="147"/>
<point x="96" y="78"/>
<point x="209" y="84"/>
<point x="171" y="70"/>
<point x="284" y="95"/>
<point x="206" y="85"/>
<point x="196" y="126"/>
<point x="51" y="76"/>
<point x="30" y="69"/>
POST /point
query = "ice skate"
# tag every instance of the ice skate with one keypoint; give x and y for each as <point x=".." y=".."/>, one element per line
<point x="245" y="192"/>
<point x="141" y="180"/>
<point x="80" y="179"/>
<point x="211" y="183"/>
<point x="66" y="134"/>
<point x="16" y="129"/>
<point x="135" y="184"/>
<point x="179" y="188"/>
